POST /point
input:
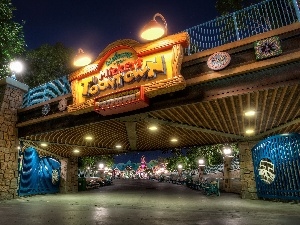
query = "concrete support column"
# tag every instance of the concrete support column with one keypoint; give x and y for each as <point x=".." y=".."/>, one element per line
<point x="227" y="178"/>
<point x="69" y="175"/>
<point x="11" y="99"/>
<point x="247" y="171"/>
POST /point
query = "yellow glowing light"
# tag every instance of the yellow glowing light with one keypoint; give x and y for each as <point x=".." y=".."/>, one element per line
<point x="76" y="151"/>
<point x="82" y="59"/>
<point x="118" y="146"/>
<point x="44" y="144"/>
<point x="201" y="162"/>
<point x="101" y="166"/>
<point x="154" y="30"/>
<point x="249" y="131"/>
<point x="153" y="33"/>
<point x="152" y="128"/>
<point x="250" y="113"/>
<point x="174" y="140"/>
<point x="88" y="138"/>
<point x="227" y="151"/>
<point x="16" y="66"/>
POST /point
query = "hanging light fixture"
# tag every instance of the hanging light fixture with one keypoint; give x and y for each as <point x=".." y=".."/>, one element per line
<point x="154" y="30"/>
<point x="82" y="59"/>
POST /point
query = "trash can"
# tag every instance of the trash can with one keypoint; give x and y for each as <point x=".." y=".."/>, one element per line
<point x="81" y="184"/>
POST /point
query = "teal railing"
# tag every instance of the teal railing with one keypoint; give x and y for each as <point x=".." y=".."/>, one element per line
<point x="47" y="91"/>
<point x="262" y="17"/>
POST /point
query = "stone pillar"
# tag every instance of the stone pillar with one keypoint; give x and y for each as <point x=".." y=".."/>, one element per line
<point x="69" y="175"/>
<point x="11" y="99"/>
<point x="247" y="171"/>
<point x="227" y="178"/>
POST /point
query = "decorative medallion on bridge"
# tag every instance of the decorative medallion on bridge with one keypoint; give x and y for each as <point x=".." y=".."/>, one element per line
<point x="218" y="60"/>
<point x="62" y="105"/>
<point x="266" y="171"/>
<point x="267" y="48"/>
<point x="45" y="109"/>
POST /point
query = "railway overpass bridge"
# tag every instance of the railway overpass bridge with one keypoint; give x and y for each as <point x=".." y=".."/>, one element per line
<point x="195" y="94"/>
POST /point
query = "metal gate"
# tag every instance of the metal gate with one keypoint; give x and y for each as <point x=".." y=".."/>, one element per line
<point x="277" y="167"/>
<point x="38" y="175"/>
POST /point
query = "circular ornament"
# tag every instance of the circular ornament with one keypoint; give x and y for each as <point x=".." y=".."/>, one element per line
<point x="46" y="109"/>
<point x="62" y="105"/>
<point x="218" y="60"/>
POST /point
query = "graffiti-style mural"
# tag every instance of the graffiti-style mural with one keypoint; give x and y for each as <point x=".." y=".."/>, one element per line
<point x="38" y="175"/>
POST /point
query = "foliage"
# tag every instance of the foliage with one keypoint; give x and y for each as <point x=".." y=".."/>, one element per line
<point x="212" y="154"/>
<point x="93" y="161"/>
<point x="46" y="63"/>
<point x="12" y="43"/>
<point x="225" y="7"/>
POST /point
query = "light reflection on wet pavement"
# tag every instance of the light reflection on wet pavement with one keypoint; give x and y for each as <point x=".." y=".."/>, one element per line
<point x="145" y="202"/>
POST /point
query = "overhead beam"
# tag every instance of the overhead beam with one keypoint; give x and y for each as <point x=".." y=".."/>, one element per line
<point x="131" y="134"/>
<point x="264" y="134"/>
<point x="69" y="145"/>
<point x="189" y="127"/>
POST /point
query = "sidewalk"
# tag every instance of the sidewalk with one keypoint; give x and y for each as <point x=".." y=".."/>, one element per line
<point x="145" y="202"/>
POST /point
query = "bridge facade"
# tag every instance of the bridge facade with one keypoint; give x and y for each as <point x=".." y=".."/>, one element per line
<point x="248" y="60"/>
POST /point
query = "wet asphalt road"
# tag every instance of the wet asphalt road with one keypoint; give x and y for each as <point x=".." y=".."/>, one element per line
<point x="145" y="202"/>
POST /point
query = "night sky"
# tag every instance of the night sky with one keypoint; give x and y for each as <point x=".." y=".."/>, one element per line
<point x="93" y="24"/>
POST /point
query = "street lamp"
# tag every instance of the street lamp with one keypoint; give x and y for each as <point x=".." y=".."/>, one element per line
<point x="15" y="67"/>
<point x="101" y="170"/>
<point x="179" y="169"/>
<point x="82" y="59"/>
<point x="201" y="166"/>
<point x="101" y="166"/>
<point x="154" y="30"/>
<point x="227" y="151"/>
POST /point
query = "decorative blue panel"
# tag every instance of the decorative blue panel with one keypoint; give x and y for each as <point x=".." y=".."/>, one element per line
<point x="47" y="91"/>
<point x="38" y="175"/>
<point x="276" y="167"/>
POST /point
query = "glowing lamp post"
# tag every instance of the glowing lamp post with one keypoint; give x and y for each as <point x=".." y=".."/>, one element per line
<point x="154" y="30"/>
<point x="15" y="67"/>
<point x="101" y="166"/>
<point x="201" y="166"/>
<point x="227" y="151"/>
<point x="101" y="169"/>
<point x="180" y="170"/>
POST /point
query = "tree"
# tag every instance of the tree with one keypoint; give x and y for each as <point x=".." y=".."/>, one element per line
<point x="12" y="43"/>
<point x="93" y="161"/>
<point x="224" y="7"/>
<point x="212" y="154"/>
<point x="46" y="63"/>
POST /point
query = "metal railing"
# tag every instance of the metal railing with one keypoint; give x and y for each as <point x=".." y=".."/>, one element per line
<point x="47" y="91"/>
<point x="256" y="19"/>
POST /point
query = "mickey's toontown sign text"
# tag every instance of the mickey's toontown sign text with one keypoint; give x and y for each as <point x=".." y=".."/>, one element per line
<point x="126" y="74"/>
